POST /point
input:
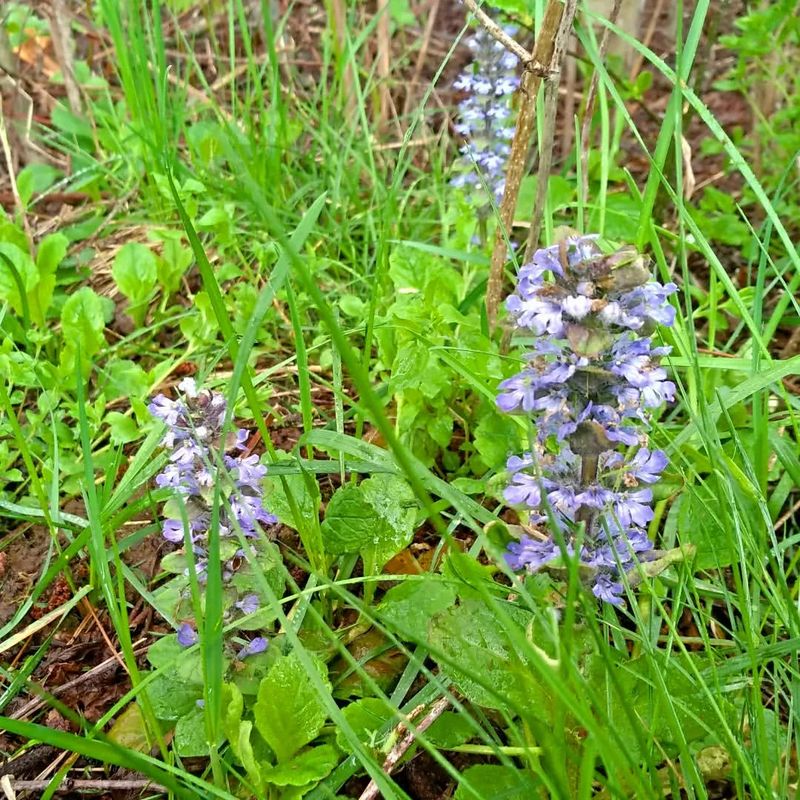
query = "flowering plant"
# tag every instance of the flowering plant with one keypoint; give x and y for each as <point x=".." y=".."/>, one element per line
<point x="485" y="113"/>
<point x="198" y="468"/>
<point x="591" y="383"/>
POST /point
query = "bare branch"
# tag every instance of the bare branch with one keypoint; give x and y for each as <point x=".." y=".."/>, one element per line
<point x="531" y="80"/>
<point x="494" y="30"/>
<point x="400" y="749"/>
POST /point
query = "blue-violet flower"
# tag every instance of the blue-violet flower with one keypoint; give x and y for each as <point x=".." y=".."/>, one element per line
<point x="194" y="437"/>
<point x="486" y="118"/>
<point x="590" y="385"/>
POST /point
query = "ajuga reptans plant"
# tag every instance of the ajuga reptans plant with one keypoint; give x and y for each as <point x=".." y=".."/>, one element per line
<point x="486" y="118"/>
<point x="198" y="467"/>
<point x="591" y="383"/>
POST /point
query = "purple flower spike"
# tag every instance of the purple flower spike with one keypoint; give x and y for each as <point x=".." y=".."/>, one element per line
<point x="590" y="386"/>
<point x="199" y="470"/>
<point x="485" y="113"/>
<point x="187" y="635"/>
<point x="249" y="604"/>
<point x="173" y="530"/>
<point x="607" y="589"/>
<point x="253" y="647"/>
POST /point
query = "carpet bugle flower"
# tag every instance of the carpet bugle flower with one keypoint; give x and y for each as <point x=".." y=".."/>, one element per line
<point x="590" y="387"/>
<point x="199" y="468"/>
<point x="486" y="117"/>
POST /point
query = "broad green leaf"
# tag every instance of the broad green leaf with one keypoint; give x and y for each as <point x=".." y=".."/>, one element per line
<point x="200" y="328"/>
<point x="288" y="712"/>
<point x="135" y="272"/>
<point x="308" y="767"/>
<point x="123" y="428"/>
<point x="351" y="522"/>
<point x="130" y="730"/>
<point x="82" y="324"/>
<point x="245" y="753"/>
<point x="126" y="379"/>
<point x="233" y="707"/>
<point x="17" y="271"/>
<point x="496" y="436"/>
<point x="497" y="782"/>
<point x="190" y="734"/>
<point x="175" y="259"/>
<point x="701" y="524"/>
<point x="468" y="642"/>
<point x="34" y="179"/>
<point x="394" y="501"/>
<point x="49" y="255"/>
<point x="171" y="696"/>
<point x="450" y="730"/>
<point x="366" y="717"/>
<point x="409" y="606"/>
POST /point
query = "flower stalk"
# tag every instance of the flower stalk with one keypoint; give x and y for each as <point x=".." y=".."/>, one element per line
<point x="199" y="462"/>
<point x="591" y="384"/>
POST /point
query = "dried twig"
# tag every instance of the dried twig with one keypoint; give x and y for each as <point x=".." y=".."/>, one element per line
<point x="515" y="170"/>
<point x="433" y="12"/>
<point x="549" y="124"/>
<point x="38" y="702"/>
<point x="79" y="785"/>
<point x="384" y="61"/>
<point x="400" y="749"/>
<point x="590" y="97"/>
<point x="494" y="30"/>
<point x="337" y="22"/>
<point x="62" y="47"/>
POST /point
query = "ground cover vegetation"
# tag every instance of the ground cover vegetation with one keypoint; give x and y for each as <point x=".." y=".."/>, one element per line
<point x="294" y="504"/>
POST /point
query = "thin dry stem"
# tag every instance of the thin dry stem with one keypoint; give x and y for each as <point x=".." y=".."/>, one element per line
<point x="62" y="48"/>
<point x="549" y="124"/>
<point x="542" y="54"/>
<point x="384" y="60"/>
<point x="495" y="31"/>
<point x="433" y="12"/>
<point x="590" y="98"/>
<point x="80" y="785"/>
<point x="399" y="750"/>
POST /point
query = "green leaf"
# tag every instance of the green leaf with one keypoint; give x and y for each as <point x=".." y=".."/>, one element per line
<point x="351" y="522"/>
<point x="34" y="179"/>
<point x="495" y="437"/>
<point x="472" y="650"/>
<point x="245" y="753"/>
<point x="308" y="767"/>
<point x="700" y="524"/>
<point x="17" y="271"/>
<point x="233" y="705"/>
<point x="123" y="428"/>
<point x="130" y="729"/>
<point x="171" y="696"/>
<point x="126" y="379"/>
<point x="200" y="328"/>
<point x="135" y="272"/>
<point x="409" y="606"/>
<point x="394" y="501"/>
<point x="366" y="717"/>
<point x="497" y="782"/>
<point x="451" y="730"/>
<point x="375" y="519"/>
<point x="82" y="324"/>
<point x="288" y="712"/>
<point x="190" y="734"/>
<point x="175" y="259"/>
<point x="49" y="255"/>
<point x="352" y="306"/>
